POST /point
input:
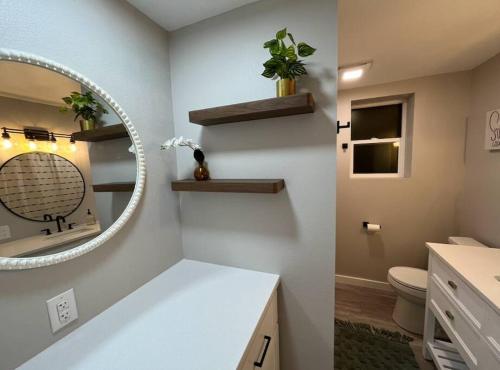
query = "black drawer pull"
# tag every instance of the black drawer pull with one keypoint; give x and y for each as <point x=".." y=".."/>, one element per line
<point x="452" y="284"/>
<point x="450" y="315"/>
<point x="266" y="347"/>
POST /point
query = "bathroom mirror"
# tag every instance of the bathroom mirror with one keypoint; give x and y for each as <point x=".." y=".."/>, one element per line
<point x="71" y="163"/>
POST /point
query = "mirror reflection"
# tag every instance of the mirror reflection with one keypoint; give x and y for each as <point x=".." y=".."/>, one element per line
<point x="67" y="170"/>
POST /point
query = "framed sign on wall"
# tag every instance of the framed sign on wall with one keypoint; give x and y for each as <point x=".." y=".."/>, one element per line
<point x="492" y="136"/>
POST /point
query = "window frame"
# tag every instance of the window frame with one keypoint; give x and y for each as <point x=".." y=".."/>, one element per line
<point x="401" y="140"/>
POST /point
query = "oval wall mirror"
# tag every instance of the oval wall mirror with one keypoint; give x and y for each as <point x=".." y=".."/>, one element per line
<point x="71" y="164"/>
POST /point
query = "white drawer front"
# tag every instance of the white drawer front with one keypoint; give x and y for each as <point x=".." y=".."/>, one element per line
<point x="264" y="349"/>
<point x="472" y="306"/>
<point x="467" y="340"/>
<point x="492" y="335"/>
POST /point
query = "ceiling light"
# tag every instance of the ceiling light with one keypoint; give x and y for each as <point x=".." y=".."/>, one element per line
<point x="354" y="72"/>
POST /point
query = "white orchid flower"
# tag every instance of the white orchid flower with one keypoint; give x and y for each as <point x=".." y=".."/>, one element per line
<point x="180" y="141"/>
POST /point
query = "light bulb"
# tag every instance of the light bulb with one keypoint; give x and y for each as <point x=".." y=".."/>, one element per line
<point x="32" y="144"/>
<point x="7" y="144"/>
<point x="72" y="144"/>
<point x="53" y="146"/>
<point x="395" y="144"/>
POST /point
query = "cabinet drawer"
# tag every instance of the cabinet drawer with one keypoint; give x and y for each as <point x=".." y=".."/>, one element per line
<point x="492" y="334"/>
<point x="467" y="340"/>
<point x="264" y="348"/>
<point x="471" y="305"/>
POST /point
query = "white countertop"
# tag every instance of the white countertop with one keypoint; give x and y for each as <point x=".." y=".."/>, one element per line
<point x="194" y="316"/>
<point x="477" y="266"/>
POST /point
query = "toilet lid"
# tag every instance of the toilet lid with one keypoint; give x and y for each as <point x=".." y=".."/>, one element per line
<point x="409" y="276"/>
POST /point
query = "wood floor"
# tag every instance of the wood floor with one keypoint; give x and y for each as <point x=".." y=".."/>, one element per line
<point x="374" y="307"/>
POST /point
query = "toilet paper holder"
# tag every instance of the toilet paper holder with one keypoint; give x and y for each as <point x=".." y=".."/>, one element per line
<point x="365" y="225"/>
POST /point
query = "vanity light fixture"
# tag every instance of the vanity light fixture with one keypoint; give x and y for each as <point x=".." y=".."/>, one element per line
<point x="32" y="135"/>
<point x="6" y="143"/>
<point x="53" y="142"/>
<point x="354" y="71"/>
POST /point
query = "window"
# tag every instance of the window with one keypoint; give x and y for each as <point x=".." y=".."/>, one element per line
<point x="378" y="139"/>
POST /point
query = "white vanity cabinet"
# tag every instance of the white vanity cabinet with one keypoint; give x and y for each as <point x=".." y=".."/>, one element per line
<point x="463" y="295"/>
<point x="263" y="352"/>
<point x="194" y="316"/>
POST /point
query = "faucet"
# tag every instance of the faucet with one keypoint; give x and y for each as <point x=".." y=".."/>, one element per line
<point x="47" y="217"/>
<point x="58" y="220"/>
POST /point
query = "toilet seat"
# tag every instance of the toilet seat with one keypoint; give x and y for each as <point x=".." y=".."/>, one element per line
<point x="409" y="277"/>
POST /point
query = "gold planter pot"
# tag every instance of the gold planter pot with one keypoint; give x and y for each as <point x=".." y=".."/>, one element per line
<point x="285" y="87"/>
<point x="87" y="124"/>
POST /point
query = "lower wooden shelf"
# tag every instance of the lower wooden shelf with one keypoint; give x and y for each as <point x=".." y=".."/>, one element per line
<point x="267" y="186"/>
<point x="114" y="187"/>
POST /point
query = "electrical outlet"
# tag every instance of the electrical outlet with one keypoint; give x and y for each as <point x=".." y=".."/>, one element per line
<point x="62" y="310"/>
<point x="5" y="232"/>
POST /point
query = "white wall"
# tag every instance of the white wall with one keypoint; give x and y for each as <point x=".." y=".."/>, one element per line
<point x="217" y="62"/>
<point x="411" y="210"/>
<point x="479" y="209"/>
<point x="127" y="55"/>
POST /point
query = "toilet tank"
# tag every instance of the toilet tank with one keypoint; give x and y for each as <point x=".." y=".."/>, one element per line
<point x="462" y="240"/>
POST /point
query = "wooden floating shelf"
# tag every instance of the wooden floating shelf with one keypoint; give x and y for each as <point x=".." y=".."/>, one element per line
<point x="259" y="109"/>
<point x="114" y="187"/>
<point x="101" y="134"/>
<point x="270" y="186"/>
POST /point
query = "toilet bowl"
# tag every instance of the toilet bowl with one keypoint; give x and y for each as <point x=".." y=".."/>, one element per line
<point x="410" y="285"/>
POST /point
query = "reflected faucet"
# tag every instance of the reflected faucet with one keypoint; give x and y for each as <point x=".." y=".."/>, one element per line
<point x="58" y="220"/>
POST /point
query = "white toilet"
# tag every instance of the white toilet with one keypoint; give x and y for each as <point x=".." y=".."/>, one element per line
<point x="410" y="285"/>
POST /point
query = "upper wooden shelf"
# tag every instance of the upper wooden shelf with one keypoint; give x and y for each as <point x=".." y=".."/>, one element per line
<point x="114" y="187"/>
<point x="259" y="109"/>
<point x="102" y="133"/>
<point x="268" y="186"/>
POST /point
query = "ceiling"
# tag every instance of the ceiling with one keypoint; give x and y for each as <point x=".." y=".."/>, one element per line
<point x="35" y="84"/>
<point x="174" y="14"/>
<point x="410" y="38"/>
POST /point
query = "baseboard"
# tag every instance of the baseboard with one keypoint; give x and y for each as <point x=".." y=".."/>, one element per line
<point x="367" y="283"/>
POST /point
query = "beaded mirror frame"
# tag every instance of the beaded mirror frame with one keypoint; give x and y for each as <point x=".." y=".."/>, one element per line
<point x="33" y="262"/>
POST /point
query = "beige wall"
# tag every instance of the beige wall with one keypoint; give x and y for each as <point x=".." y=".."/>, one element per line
<point x="411" y="210"/>
<point x="479" y="211"/>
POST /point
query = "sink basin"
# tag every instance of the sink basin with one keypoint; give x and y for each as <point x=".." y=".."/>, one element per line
<point x="35" y="244"/>
<point x="69" y="232"/>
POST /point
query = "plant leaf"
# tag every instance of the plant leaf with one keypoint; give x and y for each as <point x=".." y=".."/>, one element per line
<point x="280" y="35"/>
<point x="269" y="73"/>
<point x="270" y="43"/>
<point x="291" y="38"/>
<point x="290" y="53"/>
<point x="305" y="50"/>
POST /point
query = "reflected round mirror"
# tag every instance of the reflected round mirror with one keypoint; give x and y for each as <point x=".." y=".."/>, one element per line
<point x="71" y="164"/>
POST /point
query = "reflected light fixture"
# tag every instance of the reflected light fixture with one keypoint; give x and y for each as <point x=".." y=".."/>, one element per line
<point x="53" y="142"/>
<point x="6" y="143"/>
<point x="72" y="144"/>
<point x="354" y="72"/>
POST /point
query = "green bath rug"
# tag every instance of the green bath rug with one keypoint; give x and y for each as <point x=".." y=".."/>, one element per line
<point x="364" y="347"/>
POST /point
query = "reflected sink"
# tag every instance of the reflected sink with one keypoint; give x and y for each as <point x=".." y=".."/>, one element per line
<point x="76" y="230"/>
<point x="35" y="244"/>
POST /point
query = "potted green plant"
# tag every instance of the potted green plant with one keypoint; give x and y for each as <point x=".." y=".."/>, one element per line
<point x="284" y="63"/>
<point x="86" y="107"/>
